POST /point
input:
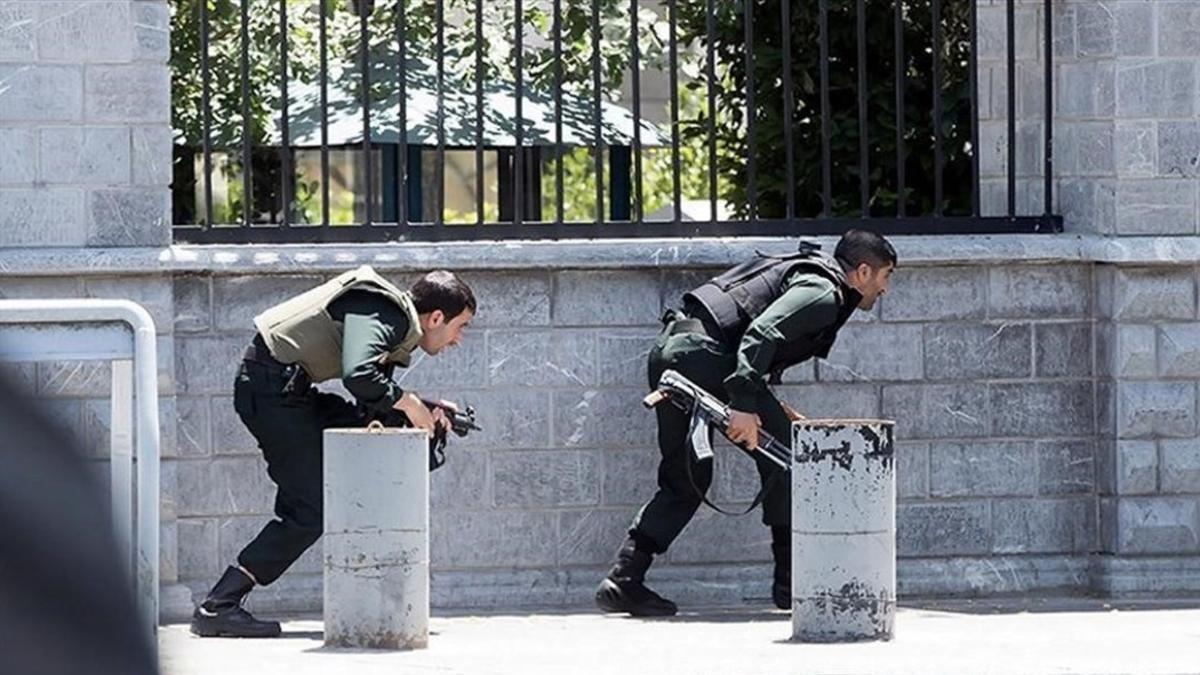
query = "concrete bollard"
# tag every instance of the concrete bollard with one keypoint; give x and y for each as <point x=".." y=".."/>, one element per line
<point x="843" y="530"/>
<point x="377" y="538"/>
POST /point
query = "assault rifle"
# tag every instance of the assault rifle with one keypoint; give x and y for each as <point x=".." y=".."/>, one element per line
<point x="707" y="410"/>
<point x="461" y="418"/>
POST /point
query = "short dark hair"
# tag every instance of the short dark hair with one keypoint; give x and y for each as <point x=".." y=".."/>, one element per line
<point x="864" y="246"/>
<point x="442" y="290"/>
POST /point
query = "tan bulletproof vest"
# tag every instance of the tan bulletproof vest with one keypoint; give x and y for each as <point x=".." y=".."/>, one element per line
<point x="300" y="330"/>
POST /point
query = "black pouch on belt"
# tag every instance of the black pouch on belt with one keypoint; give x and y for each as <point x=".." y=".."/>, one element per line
<point x="297" y="389"/>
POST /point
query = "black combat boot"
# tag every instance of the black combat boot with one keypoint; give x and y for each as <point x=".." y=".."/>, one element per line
<point x="623" y="589"/>
<point x="781" y="549"/>
<point x="221" y="613"/>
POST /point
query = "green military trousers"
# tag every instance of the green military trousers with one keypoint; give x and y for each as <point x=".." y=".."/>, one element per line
<point x="705" y="362"/>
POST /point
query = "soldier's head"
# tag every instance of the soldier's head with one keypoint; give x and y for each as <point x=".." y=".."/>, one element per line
<point x="868" y="260"/>
<point x="445" y="305"/>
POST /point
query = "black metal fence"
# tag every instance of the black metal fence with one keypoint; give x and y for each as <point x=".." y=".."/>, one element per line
<point x="783" y="136"/>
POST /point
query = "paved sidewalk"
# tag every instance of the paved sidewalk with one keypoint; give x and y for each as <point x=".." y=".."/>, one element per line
<point x="1024" y="636"/>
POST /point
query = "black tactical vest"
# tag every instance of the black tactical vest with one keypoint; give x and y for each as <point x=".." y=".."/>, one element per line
<point x="734" y="299"/>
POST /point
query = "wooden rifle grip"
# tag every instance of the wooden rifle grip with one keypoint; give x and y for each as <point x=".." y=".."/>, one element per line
<point x="654" y="398"/>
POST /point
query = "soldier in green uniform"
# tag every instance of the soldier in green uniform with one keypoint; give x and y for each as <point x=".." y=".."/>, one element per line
<point x="735" y="333"/>
<point x="356" y="327"/>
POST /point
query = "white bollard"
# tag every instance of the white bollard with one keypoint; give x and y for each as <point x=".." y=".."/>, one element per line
<point x="843" y="530"/>
<point x="377" y="538"/>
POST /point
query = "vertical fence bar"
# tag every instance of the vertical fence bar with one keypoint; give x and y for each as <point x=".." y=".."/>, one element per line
<point x="826" y="153"/>
<point x="751" y="142"/>
<point x="901" y="81"/>
<point x="479" y="75"/>
<point x="558" y="128"/>
<point x="402" y="115"/>
<point x="440" y="158"/>
<point x="938" y="159"/>
<point x="285" y="148"/>
<point x="1048" y="168"/>
<point x="673" y="88"/>
<point x="1012" y="109"/>
<point x="364" y="48"/>
<point x="864" y="173"/>
<point x="206" y="106"/>
<point x="597" y="139"/>
<point x="518" y="160"/>
<point x="789" y="150"/>
<point x="247" y="168"/>
<point x="974" y="75"/>
<point x="636" y="86"/>
<point x="323" y="38"/>
<point x="710" y="76"/>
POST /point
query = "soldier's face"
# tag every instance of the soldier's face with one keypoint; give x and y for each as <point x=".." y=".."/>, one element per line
<point x="872" y="283"/>
<point x="440" y="333"/>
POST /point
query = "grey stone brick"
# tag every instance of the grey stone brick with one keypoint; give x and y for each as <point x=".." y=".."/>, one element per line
<point x="1088" y="205"/>
<point x="511" y="418"/>
<point x="1042" y="409"/>
<point x="542" y="358"/>
<point x="96" y="428"/>
<point x="587" y="298"/>
<point x="1044" y="526"/>
<point x="17" y="23"/>
<point x="590" y="537"/>
<point x="735" y="479"/>
<point x="800" y="373"/>
<point x="87" y="32"/>
<point x="1093" y="150"/>
<point x="1135" y="29"/>
<point x="1154" y="293"/>
<point x="936" y="293"/>
<point x="1136" y="467"/>
<point x="207" y="364"/>
<point x="622" y="356"/>
<point x="229" y="435"/>
<point x="952" y="528"/>
<point x="1136" y="149"/>
<point x="237" y="300"/>
<point x="874" y="351"/>
<point x="41" y="93"/>
<point x="993" y="36"/>
<point x="1179" y="350"/>
<point x="1156" y="207"/>
<point x="21" y="376"/>
<point x="937" y="410"/>
<point x="825" y="400"/>
<point x="41" y="217"/>
<point x="1086" y="90"/>
<point x="462" y="482"/>
<point x="235" y="485"/>
<point x="712" y="536"/>
<point x="18" y="154"/>
<point x="152" y="156"/>
<point x="1178" y="149"/>
<point x="1039" y="291"/>
<point x="1147" y="409"/>
<point x="982" y="469"/>
<point x="912" y="470"/>
<point x="1095" y="30"/>
<point x="151" y="292"/>
<point x="1108" y="526"/>
<point x="1178" y="34"/>
<point x="195" y="439"/>
<point x="546" y="478"/>
<point x="1063" y="349"/>
<point x="235" y="532"/>
<point x="511" y="299"/>
<point x="193" y="303"/>
<point x="977" y="351"/>
<point x="131" y="217"/>
<point x="128" y="93"/>
<point x="493" y="539"/>
<point x="1136" y="351"/>
<point x="1156" y="89"/>
<point x="677" y="282"/>
<point x="1181" y="465"/>
<point x="1106" y="408"/>
<point x="1158" y="524"/>
<point x="198" y="548"/>
<point x="629" y="476"/>
<point x="1063" y="23"/>
<point x="151" y="32"/>
<point x="607" y="418"/>
<point x="1106" y="349"/>
<point x="74" y="378"/>
<point x="1066" y="467"/>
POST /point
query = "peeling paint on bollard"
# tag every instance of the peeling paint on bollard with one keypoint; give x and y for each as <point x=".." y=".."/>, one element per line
<point x="843" y="530"/>
<point x="376" y="539"/>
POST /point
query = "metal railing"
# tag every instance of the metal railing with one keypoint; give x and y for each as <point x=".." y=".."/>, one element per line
<point x="394" y="107"/>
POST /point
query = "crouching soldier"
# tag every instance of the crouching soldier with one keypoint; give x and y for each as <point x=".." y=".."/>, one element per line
<point x="357" y="328"/>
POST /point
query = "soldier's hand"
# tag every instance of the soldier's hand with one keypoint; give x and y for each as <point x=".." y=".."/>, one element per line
<point x="743" y="428"/>
<point x="417" y="413"/>
<point x="440" y="419"/>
